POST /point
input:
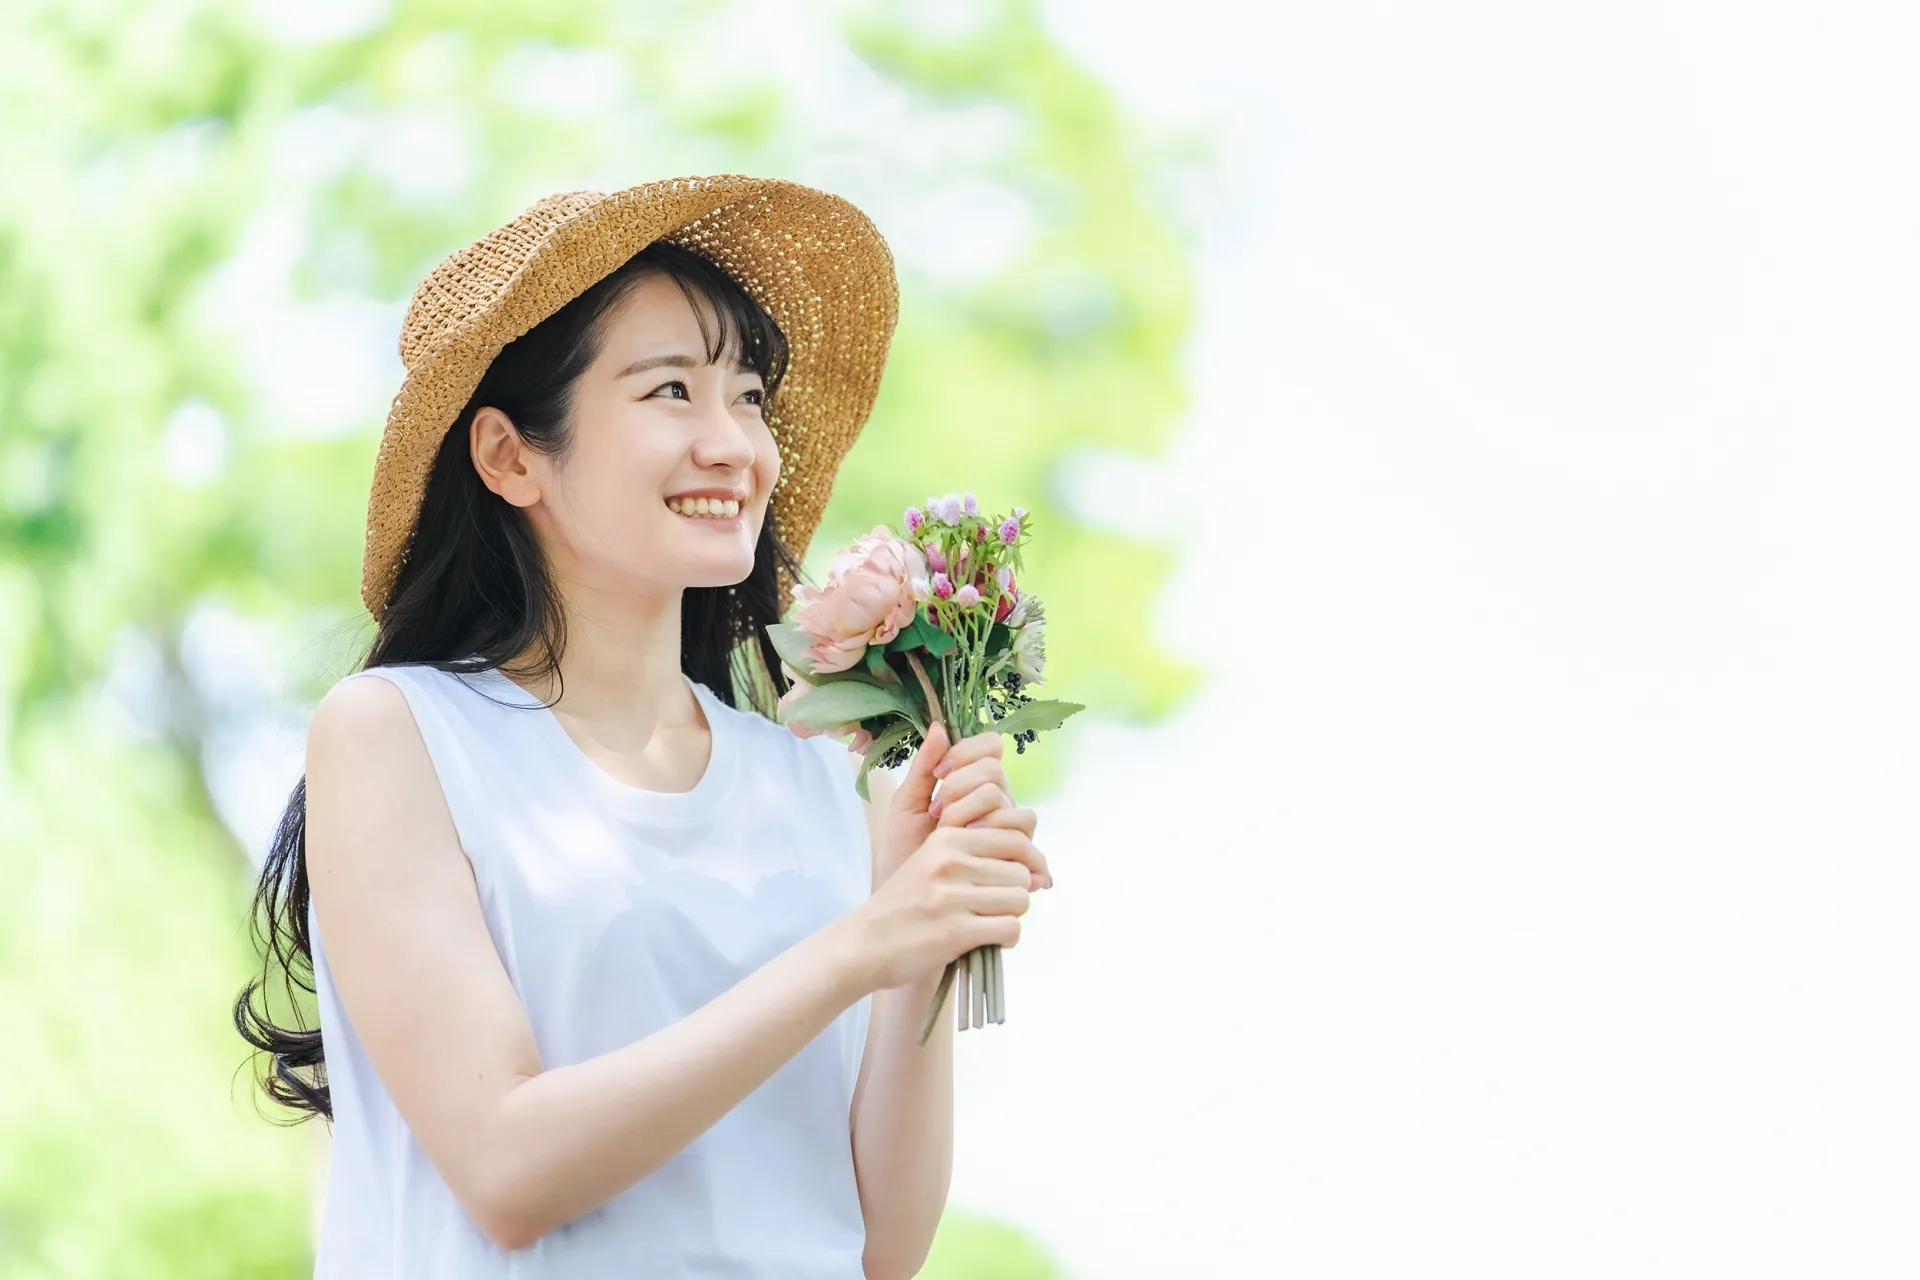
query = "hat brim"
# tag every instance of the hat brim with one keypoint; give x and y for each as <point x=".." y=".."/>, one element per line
<point x="811" y="259"/>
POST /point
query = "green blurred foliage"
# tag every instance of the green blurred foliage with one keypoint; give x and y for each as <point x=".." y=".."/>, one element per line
<point x="206" y="201"/>
<point x="971" y="1248"/>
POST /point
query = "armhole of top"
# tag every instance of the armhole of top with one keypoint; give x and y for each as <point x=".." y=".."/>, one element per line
<point x="451" y="767"/>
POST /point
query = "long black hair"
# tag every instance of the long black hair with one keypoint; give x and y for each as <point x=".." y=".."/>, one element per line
<point x="473" y="594"/>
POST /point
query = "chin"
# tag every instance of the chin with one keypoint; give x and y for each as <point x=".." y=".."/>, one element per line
<point x="719" y="571"/>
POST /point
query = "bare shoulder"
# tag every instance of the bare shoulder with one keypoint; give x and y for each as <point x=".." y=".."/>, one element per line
<point x="368" y="772"/>
<point x="360" y="710"/>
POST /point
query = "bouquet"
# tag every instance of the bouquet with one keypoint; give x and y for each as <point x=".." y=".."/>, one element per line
<point x="915" y="628"/>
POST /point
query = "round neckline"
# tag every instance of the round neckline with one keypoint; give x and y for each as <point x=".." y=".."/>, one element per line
<point x="692" y="805"/>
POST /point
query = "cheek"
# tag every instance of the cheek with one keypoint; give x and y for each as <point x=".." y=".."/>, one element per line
<point x="608" y="476"/>
<point x="766" y="464"/>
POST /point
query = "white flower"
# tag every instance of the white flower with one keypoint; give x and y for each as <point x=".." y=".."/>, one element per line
<point x="1029" y="638"/>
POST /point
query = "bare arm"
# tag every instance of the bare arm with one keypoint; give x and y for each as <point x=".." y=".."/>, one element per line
<point x="902" y="1108"/>
<point x="526" y="1149"/>
<point x="903" y="1102"/>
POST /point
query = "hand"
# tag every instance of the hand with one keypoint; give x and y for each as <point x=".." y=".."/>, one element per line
<point x="964" y="887"/>
<point x="973" y="792"/>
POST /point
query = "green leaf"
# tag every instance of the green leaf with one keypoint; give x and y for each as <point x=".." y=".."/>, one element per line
<point x="999" y="638"/>
<point x="1036" y="715"/>
<point x="877" y="664"/>
<point x="844" y="702"/>
<point x="882" y="743"/>
<point x="791" y="643"/>
<point x="922" y="634"/>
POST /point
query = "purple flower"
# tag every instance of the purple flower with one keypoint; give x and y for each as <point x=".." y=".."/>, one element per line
<point x="969" y="505"/>
<point x="1010" y="530"/>
<point x="947" y="508"/>
<point x="967" y="596"/>
<point x="916" y="519"/>
<point x="942" y="586"/>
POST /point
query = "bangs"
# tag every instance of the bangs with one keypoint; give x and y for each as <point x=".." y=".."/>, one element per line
<point x="732" y="325"/>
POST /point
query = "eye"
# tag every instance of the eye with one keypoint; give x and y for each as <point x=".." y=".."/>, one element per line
<point x="675" y="383"/>
<point x="759" y="396"/>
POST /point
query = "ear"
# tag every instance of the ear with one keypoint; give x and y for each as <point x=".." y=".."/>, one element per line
<point x="505" y="463"/>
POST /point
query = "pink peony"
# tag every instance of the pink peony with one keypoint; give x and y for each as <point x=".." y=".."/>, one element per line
<point x="867" y="599"/>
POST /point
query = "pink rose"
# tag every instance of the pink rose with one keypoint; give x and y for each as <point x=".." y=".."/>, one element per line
<point x="866" y="600"/>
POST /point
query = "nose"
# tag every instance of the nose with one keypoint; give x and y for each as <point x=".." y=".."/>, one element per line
<point x="723" y="441"/>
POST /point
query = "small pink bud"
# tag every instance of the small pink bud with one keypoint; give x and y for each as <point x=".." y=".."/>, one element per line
<point x="1010" y="530"/>
<point x="916" y="519"/>
<point x="936" y="558"/>
<point x="942" y="586"/>
<point x="967" y="596"/>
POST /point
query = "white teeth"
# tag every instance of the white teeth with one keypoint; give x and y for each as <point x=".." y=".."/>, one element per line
<point x="720" y="508"/>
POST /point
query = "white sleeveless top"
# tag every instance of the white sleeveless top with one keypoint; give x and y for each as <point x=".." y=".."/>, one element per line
<point x="618" y="911"/>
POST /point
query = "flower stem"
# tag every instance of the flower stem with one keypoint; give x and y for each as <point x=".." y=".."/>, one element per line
<point x="934" y="715"/>
<point x="939" y="1001"/>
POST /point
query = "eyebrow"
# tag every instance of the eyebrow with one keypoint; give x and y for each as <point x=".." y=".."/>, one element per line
<point x="655" y="361"/>
<point x="677" y="361"/>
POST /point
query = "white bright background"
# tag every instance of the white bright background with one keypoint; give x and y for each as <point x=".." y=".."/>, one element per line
<point x="1533" y="893"/>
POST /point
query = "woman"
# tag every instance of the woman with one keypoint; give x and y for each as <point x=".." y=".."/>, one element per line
<point x="614" y="976"/>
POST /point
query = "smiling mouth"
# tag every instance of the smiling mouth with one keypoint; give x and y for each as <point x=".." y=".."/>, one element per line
<point x="704" y="508"/>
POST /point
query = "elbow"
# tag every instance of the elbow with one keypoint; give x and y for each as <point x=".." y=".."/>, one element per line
<point x="894" y="1266"/>
<point x="500" y="1207"/>
<point x="507" y="1225"/>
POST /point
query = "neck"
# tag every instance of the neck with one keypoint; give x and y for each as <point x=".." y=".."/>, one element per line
<point x="622" y="655"/>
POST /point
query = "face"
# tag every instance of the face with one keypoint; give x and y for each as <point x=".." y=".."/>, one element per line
<point x="662" y="441"/>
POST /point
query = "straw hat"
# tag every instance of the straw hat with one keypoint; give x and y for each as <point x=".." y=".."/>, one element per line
<point x="812" y="260"/>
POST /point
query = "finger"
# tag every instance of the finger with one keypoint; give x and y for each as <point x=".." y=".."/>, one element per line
<point x="976" y="746"/>
<point x="1009" y="816"/>
<point x="997" y="900"/>
<point x="1041" y="870"/>
<point x="1001" y="872"/>
<point x="977" y="803"/>
<point x="992" y="842"/>
<point x="1036" y="880"/>
<point x="959" y="782"/>
<point x="916" y="789"/>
